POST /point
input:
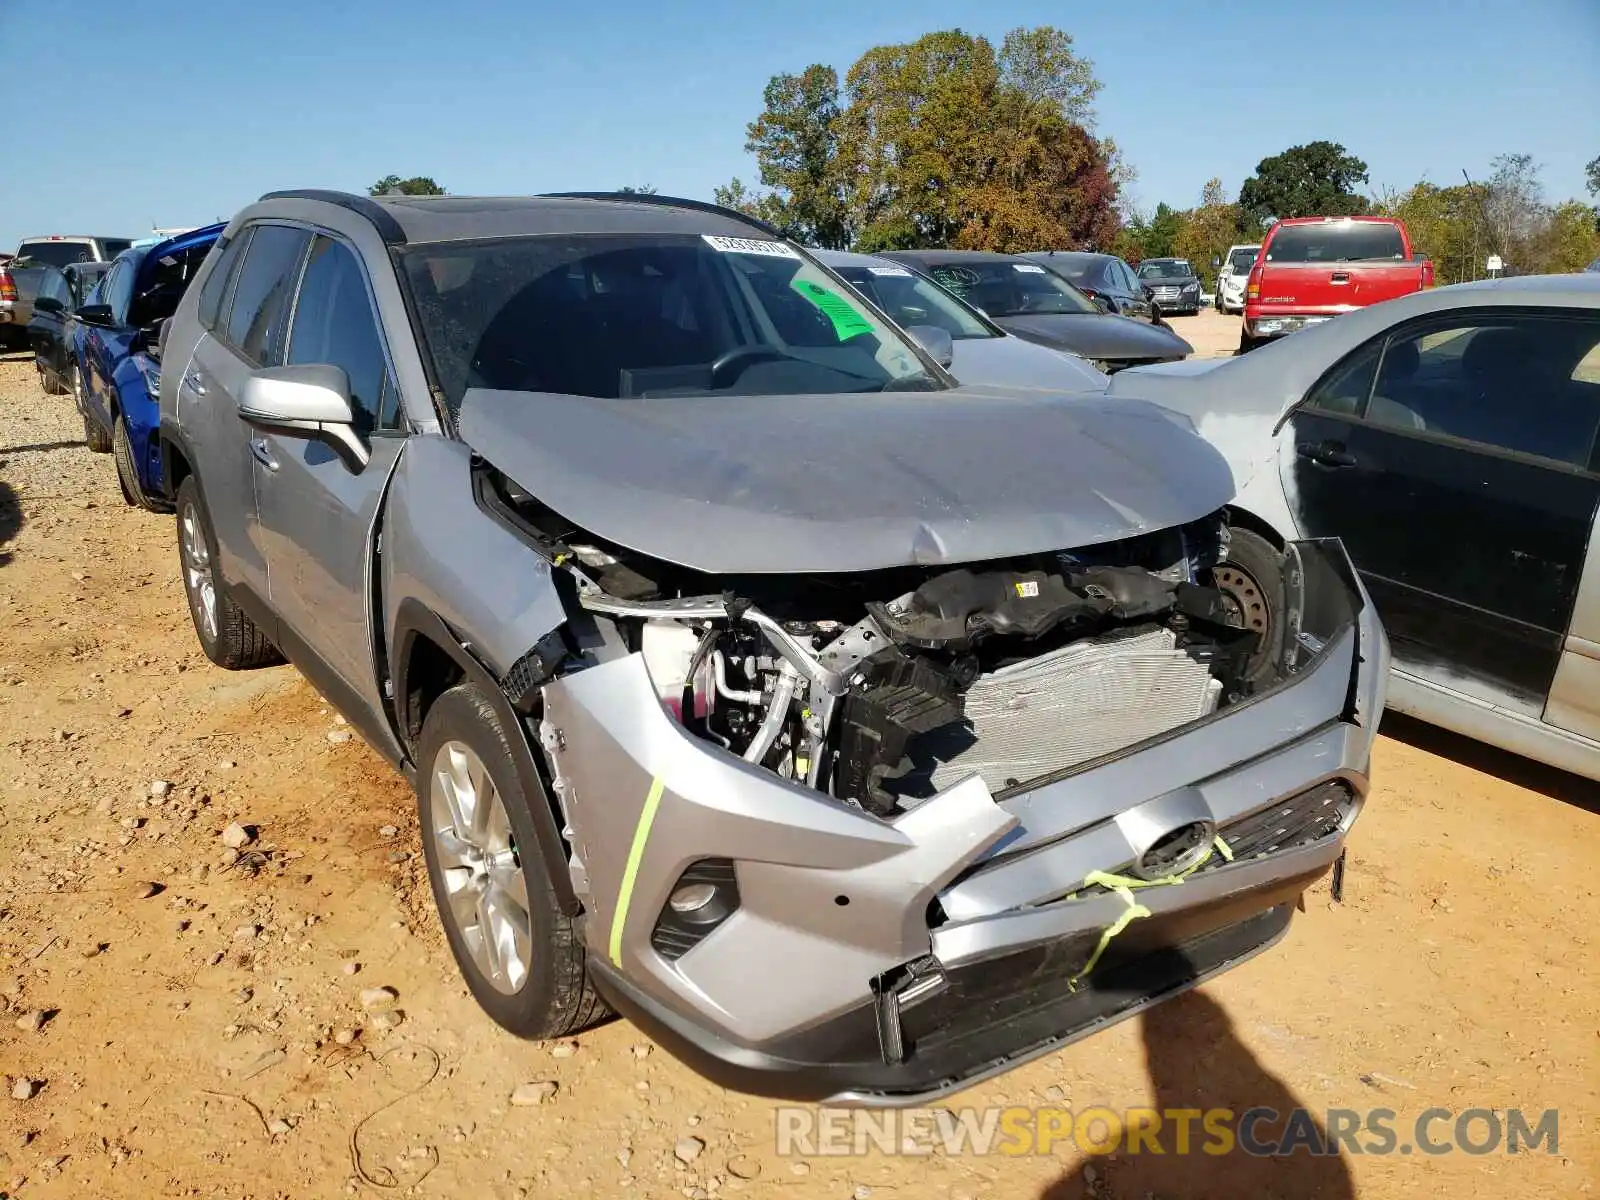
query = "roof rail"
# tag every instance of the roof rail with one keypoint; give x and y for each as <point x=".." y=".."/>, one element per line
<point x="388" y="228"/>
<point x="704" y="206"/>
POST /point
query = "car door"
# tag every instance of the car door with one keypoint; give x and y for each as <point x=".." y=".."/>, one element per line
<point x="244" y="305"/>
<point x="1456" y="459"/>
<point x="318" y="510"/>
<point x="106" y="345"/>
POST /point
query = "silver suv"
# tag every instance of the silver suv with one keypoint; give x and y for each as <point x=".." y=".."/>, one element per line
<point x="857" y="733"/>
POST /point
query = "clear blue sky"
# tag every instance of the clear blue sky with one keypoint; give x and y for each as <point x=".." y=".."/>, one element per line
<point x="117" y="116"/>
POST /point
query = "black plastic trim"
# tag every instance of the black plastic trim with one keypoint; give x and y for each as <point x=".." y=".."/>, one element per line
<point x="332" y="686"/>
<point x="382" y="220"/>
<point x="704" y="206"/>
<point x="414" y="620"/>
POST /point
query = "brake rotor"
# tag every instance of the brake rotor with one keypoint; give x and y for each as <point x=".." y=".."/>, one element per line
<point x="1244" y="596"/>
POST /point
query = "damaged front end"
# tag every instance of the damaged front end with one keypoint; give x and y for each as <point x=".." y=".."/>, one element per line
<point x="862" y="837"/>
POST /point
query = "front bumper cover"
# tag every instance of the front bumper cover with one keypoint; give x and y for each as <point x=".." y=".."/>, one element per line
<point x="796" y="993"/>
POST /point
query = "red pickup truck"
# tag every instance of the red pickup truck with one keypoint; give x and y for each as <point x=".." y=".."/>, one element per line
<point x="1313" y="268"/>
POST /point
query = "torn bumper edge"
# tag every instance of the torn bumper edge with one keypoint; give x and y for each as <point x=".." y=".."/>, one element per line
<point x="779" y="999"/>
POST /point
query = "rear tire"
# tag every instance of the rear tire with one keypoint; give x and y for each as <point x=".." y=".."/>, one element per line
<point x="520" y="955"/>
<point x="229" y="638"/>
<point x="1246" y="342"/>
<point x="1252" y="578"/>
<point x="94" y="434"/>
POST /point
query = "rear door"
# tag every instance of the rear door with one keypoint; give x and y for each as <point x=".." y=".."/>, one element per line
<point x="318" y="513"/>
<point x="247" y="302"/>
<point x="1456" y="457"/>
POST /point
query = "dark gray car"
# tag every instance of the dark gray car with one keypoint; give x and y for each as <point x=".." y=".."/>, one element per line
<point x="1024" y="298"/>
<point x="755" y="678"/>
<point x="1173" y="285"/>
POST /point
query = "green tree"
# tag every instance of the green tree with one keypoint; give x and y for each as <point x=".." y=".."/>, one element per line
<point x="417" y="185"/>
<point x="1314" y="180"/>
<point x="1446" y="225"/>
<point x="1592" y="174"/>
<point x="648" y="189"/>
<point x="1207" y="231"/>
<point x="940" y="141"/>
<point x="796" y="141"/>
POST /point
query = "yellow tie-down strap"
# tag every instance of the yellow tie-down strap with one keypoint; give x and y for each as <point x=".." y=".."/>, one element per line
<point x="1125" y="886"/>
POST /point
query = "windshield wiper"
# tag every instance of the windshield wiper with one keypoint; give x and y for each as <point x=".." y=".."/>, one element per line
<point x="922" y="382"/>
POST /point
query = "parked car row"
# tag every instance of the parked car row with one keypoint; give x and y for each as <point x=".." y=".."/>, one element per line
<point x="805" y="656"/>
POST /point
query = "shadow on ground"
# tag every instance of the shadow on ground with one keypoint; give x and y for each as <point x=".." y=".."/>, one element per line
<point x="1197" y="1062"/>
<point x="1502" y="764"/>
<point x="10" y="520"/>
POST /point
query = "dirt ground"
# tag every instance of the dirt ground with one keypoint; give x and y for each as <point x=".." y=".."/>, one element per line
<point x="195" y="1008"/>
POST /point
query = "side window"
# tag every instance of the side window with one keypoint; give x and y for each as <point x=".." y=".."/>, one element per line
<point x="261" y="295"/>
<point x="334" y="323"/>
<point x="1343" y="391"/>
<point x="217" y="282"/>
<point x="54" y="285"/>
<point x="1518" y="383"/>
<point x="118" y="290"/>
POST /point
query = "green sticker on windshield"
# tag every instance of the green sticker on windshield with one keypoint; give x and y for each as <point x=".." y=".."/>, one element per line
<point x="847" y="322"/>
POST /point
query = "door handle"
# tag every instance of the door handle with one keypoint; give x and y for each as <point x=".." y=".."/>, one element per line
<point x="194" y="383"/>
<point x="1327" y="454"/>
<point x="1340" y="277"/>
<point x="262" y="453"/>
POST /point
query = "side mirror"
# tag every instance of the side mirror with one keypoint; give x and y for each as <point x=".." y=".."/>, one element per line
<point x="1216" y="260"/>
<point x="97" y="314"/>
<point x="48" y="304"/>
<point x="936" y="341"/>
<point x="161" y="339"/>
<point x="1103" y="304"/>
<point x="309" y="401"/>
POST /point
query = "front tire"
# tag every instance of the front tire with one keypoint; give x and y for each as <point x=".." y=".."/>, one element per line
<point x="520" y="955"/>
<point x="229" y="638"/>
<point x="127" y="474"/>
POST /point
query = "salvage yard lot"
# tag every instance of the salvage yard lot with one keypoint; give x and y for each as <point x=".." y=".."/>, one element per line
<point x="191" y="1042"/>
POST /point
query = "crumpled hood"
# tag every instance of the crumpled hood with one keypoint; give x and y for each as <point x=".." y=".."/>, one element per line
<point x="767" y="484"/>
<point x="1099" y="335"/>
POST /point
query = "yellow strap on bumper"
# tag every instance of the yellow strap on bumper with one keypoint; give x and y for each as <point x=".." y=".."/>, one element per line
<point x="1124" y="886"/>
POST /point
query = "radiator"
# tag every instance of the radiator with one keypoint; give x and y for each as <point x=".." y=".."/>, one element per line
<point x="1069" y="706"/>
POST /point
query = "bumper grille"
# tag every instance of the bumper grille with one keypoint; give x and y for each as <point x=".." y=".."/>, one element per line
<point x="1069" y="706"/>
<point x="1297" y="821"/>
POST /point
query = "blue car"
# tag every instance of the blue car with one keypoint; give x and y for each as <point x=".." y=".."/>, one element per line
<point x="116" y="348"/>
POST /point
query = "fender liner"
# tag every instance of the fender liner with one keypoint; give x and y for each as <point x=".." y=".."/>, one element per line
<point x="414" y="620"/>
<point x="170" y="433"/>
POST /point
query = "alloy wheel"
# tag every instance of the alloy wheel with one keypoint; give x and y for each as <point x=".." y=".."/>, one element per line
<point x="477" y="856"/>
<point x="197" y="576"/>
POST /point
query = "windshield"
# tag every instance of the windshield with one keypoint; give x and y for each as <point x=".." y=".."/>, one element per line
<point x="658" y="315"/>
<point x="1166" y="268"/>
<point x="910" y="300"/>
<point x="1002" y="288"/>
<point x="1240" y="261"/>
<point x="83" y="280"/>
<point x="1336" y="241"/>
<point x="1079" y="269"/>
<point x="55" y="254"/>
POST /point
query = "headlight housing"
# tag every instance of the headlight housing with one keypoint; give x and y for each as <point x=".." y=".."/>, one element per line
<point x="150" y="370"/>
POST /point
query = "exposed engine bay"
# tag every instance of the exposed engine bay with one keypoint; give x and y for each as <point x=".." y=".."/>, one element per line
<point x="882" y="688"/>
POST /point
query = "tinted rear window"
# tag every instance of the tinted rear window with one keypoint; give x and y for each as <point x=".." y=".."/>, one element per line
<point x="1337" y="241"/>
<point x="59" y="254"/>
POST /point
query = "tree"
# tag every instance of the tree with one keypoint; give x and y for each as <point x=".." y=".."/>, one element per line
<point x="1207" y="232"/>
<point x="796" y="141"/>
<point x="417" y="185"/>
<point x="940" y="141"/>
<point x="1314" y="180"/>
<point x="648" y="189"/>
<point x="1592" y="174"/>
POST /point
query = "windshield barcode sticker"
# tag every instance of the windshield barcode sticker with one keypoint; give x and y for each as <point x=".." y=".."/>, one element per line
<point x="895" y="272"/>
<point x="1027" y="268"/>
<point x="733" y="245"/>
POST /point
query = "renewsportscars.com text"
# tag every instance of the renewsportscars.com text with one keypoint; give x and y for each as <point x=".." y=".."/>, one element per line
<point x="1263" y="1132"/>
